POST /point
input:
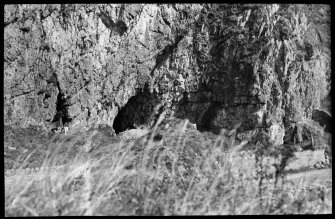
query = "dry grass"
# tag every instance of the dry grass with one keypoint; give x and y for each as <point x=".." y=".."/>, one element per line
<point x="177" y="175"/>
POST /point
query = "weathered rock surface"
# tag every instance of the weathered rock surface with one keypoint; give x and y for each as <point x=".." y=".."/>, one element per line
<point x="265" y="67"/>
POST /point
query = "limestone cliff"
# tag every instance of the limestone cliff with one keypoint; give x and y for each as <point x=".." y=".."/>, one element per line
<point x="261" y="66"/>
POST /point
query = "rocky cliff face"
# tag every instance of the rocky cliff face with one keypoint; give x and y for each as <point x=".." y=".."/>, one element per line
<point x="261" y="66"/>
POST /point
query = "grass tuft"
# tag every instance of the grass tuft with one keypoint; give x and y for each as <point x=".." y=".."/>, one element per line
<point x="181" y="173"/>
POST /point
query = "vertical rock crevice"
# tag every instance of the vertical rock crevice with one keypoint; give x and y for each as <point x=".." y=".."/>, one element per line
<point x="61" y="117"/>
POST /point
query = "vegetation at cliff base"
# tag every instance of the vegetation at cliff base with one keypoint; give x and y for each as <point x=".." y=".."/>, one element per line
<point x="177" y="174"/>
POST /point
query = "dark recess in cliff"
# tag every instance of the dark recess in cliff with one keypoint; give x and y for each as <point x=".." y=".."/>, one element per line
<point x="61" y="116"/>
<point x="141" y="110"/>
<point x="208" y="118"/>
<point x="121" y="121"/>
<point x="323" y="118"/>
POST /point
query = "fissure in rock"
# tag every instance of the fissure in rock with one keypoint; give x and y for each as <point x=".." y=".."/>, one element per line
<point x="61" y="118"/>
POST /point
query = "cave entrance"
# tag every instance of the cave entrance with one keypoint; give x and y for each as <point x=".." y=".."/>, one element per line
<point x="122" y="122"/>
<point x="139" y="112"/>
<point x="61" y="118"/>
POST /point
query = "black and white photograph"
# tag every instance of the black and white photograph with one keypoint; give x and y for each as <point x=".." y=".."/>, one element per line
<point x="165" y="109"/>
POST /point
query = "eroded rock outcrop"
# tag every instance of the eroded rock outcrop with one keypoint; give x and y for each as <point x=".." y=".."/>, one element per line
<point x="264" y="67"/>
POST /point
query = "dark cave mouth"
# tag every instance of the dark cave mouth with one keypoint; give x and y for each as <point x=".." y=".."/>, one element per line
<point x="121" y="122"/>
<point x="61" y="117"/>
<point x="138" y="112"/>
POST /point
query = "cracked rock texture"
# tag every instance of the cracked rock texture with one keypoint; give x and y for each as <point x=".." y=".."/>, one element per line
<point x="264" y="67"/>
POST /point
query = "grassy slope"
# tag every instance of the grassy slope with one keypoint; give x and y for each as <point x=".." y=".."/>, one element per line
<point x="182" y="173"/>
